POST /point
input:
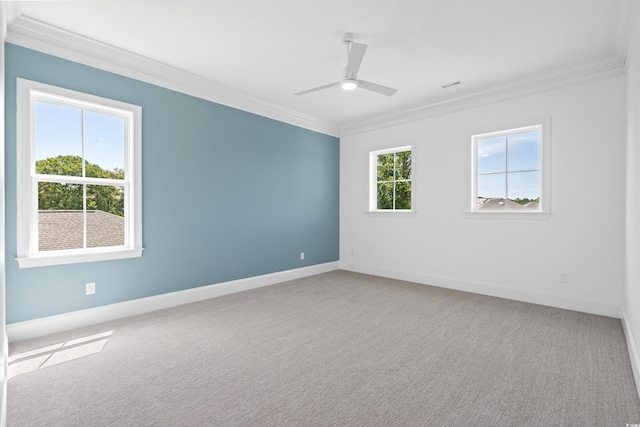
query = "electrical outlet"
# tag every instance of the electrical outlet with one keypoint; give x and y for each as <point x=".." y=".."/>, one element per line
<point x="91" y="288"/>
<point x="301" y="255"/>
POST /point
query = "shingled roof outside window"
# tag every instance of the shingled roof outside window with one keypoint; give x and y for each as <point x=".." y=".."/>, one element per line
<point x="63" y="229"/>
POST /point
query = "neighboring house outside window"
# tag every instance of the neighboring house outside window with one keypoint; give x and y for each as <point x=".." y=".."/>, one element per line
<point x="391" y="182"/>
<point x="79" y="177"/>
<point x="510" y="170"/>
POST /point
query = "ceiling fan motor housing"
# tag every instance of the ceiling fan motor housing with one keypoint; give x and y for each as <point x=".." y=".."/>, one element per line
<point x="348" y="38"/>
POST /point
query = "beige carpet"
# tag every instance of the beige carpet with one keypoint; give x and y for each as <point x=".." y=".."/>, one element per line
<point x="337" y="349"/>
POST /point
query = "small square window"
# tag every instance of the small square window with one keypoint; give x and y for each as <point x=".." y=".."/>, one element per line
<point x="510" y="170"/>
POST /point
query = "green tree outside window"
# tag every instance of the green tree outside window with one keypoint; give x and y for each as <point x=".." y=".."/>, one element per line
<point x="394" y="181"/>
<point x="65" y="196"/>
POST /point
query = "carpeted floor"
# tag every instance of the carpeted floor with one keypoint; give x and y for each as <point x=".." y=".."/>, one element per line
<point x="337" y="349"/>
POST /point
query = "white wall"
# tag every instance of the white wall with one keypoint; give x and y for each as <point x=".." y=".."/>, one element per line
<point x="518" y="259"/>
<point x="632" y="285"/>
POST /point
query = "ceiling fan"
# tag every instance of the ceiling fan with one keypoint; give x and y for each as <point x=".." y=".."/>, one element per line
<point x="355" y="54"/>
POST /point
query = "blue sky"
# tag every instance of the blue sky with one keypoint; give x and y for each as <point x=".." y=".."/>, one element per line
<point x="511" y="163"/>
<point x="59" y="132"/>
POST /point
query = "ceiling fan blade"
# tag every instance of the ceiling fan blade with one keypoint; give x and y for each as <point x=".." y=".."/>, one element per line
<point x="374" y="87"/>
<point x="356" y="53"/>
<point x="304" y="92"/>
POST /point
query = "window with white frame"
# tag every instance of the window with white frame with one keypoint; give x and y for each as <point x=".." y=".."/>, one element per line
<point x="510" y="170"/>
<point x="390" y="182"/>
<point x="79" y="177"/>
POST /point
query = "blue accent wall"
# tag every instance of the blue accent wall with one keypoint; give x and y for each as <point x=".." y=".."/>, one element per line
<point x="226" y="195"/>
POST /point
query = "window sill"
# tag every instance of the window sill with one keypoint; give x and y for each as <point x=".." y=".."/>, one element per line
<point x="393" y="214"/>
<point x="543" y="216"/>
<point x="74" y="258"/>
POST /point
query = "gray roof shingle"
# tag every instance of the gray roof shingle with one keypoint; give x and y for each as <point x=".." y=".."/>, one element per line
<point x="63" y="229"/>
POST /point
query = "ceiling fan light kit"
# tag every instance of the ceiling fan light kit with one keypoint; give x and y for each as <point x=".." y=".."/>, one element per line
<point x="348" y="83"/>
<point x="355" y="54"/>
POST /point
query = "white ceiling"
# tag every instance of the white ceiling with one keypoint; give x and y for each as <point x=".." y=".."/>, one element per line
<point x="271" y="49"/>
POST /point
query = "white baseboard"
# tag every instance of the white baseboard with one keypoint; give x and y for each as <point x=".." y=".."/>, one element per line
<point x="568" y="302"/>
<point x="76" y="319"/>
<point x="634" y="357"/>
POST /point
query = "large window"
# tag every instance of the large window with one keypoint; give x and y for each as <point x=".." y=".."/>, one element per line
<point x="509" y="171"/>
<point x="79" y="178"/>
<point x="391" y="180"/>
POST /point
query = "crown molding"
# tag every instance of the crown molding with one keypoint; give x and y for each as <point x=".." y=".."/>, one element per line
<point x="37" y="35"/>
<point x="577" y="73"/>
<point x="33" y="34"/>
